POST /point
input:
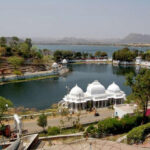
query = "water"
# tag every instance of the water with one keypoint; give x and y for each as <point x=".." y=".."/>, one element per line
<point x="87" y="48"/>
<point x="42" y="94"/>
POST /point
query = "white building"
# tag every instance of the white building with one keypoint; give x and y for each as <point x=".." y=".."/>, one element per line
<point x="96" y="96"/>
<point x="138" y="60"/>
<point x="124" y="109"/>
<point x="64" y="61"/>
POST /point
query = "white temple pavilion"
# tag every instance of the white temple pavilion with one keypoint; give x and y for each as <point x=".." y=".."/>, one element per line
<point x="96" y="96"/>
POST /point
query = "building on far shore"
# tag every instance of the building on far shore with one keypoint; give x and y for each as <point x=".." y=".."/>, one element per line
<point x="96" y="96"/>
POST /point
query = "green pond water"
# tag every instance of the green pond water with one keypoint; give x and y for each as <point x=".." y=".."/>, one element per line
<point x="42" y="94"/>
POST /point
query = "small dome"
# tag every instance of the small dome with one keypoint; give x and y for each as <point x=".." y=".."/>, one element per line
<point x="77" y="91"/>
<point x="113" y="88"/>
<point x="95" y="88"/>
<point x="64" y="61"/>
<point x="54" y="65"/>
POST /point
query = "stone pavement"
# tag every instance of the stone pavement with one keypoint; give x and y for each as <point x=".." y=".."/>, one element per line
<point x="89" y="144"/>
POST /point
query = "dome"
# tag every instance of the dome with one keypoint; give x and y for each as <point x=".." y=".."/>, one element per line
<point x="64" y="61"/>
<point x="95" y="88"/>
<point x="113" y="88"/>
<point x="54" y="65"/>
<point x="76" y="91"/>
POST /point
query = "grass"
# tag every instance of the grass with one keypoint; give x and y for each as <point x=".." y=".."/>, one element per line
<point x="30" y="79"/>
<point x="63" y="132"/>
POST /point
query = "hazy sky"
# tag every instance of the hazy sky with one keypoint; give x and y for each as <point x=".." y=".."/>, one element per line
<point x="74" y="18"/>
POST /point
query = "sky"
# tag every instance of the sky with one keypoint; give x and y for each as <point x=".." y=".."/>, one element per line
<point x="96" y="19"/>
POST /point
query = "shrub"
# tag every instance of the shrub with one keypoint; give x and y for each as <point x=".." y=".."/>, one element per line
<point x="129" y="122"/>
<point x="138" y="134"/>
<point x="115" y="126"/>
<point x="91" y="131"/>
<point x="53" y="130"/>
<point x="109" y="126"/>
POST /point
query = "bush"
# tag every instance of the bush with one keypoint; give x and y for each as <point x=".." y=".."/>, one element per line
<point x="115" y="126"/>
<point x="109" y="126"/>
<point x="91" y="131"/>
<point x="53" y="130"/>
<point x="138" y="134"/>
<point x="129" y="122"/>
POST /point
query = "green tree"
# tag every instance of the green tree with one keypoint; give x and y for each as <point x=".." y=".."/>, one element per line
<point x="140" y="85"/>
<point x="3" y="42"/>
<point x="15" y="61"/>
<point x="28" y="41"/>
<point x="97" y="54"/>
<point x="23" y="50"/>
<point x="14" y="43"/>
<point x="57" y="55"/>
<point x="42" y="121"/>
<point x="2" y="51"/>
<point x="103" y="54"/>
<point x="4" y="104"/>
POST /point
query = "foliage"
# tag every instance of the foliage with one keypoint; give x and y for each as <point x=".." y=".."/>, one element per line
<point x="125" y="54"/>
<point x="42" y="121"/>
<point x="3" y="41"/>
<point x="129" y="122"/>
<point x="53" y="130"/>
<point x="109" y="126"/>
<point x="138" y="134"/>
<point x="14" y="43"/>
<point x="4" y="104"/>
<point x="100" y="54"/>
<point x="17" y="72"/>
<point x="2" y="51"/>
<point x="140" y="85"/>
<point x="146" y="55"/>
<point x="24" y="50"/>
<point x="114" y="126"/>
<point x="91" y="131"/>
<point x="15" y="61"/>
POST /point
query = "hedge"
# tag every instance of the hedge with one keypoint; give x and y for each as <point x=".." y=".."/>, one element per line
<point x="138" y="134"/>
<point x="114" y="126"/>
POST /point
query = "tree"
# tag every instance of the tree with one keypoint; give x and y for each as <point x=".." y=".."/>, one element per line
<point x="78" y="55"/>
<point x="97" y="54"/>
<point x="14" y="43"/>
<point x="42" y="121"/>
<point x="24" y="50"/>
<point x="125" y="54"/>
<point x="2" y="51"/>
<point x="28" y="41"/>
<point x="103" y="54"/>
<point x="3" y="42"/>
<point x="57" y="55"/>
<point x="140" y="85"/>
<point x="4" y="104"/>
<point x="15" y="61"/>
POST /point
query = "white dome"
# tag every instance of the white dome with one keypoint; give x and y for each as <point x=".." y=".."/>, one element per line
<point x="95" y="88"/>
<point x="54" y="65"/>
<point x="64" y="61"/>
<point x="113" y="88"/>
<point x="76" y="91"/>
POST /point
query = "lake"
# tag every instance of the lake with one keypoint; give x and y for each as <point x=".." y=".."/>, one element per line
<point x="88" y="48"/>
<point x="42" y="94"/>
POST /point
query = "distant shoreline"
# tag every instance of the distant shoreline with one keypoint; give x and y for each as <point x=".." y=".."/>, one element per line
<point x="97" y="44"/>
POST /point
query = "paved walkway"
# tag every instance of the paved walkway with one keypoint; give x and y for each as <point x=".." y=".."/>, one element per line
<point x="89" y="144"/>
<point x="32" y="127"/>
